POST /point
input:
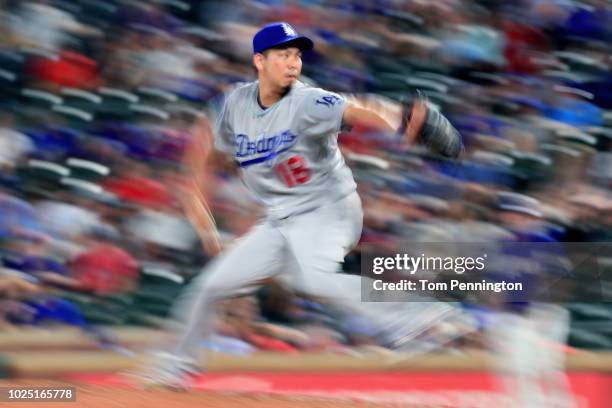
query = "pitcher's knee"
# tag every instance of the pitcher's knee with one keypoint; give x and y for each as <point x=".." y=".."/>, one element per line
<point x="215" y="288"/>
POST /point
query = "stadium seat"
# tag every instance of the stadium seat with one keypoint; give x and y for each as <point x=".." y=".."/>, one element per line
<point x="9" y="84"/>
<point x="87" y="170"/>
<point x="115" y="103"/>
<point x="588" y="340"/>
<point x="83" y="100"/>
<point x="155" y="97"/>
<point x="590" y="312"/>
<point x="531" y="167"/>
<point x="603" y="136"/>
<point x="41" y="177"/>
<point x="39" y="98"/>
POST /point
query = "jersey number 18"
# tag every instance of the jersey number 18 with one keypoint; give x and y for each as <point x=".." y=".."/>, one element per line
<point x="294" y="171"/>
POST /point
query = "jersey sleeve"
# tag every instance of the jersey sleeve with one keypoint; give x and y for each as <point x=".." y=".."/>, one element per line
<point x="322" y="112"/>
<point x="219" y="113"/>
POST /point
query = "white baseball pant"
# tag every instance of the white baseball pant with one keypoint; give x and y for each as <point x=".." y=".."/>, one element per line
<point x="308" y="248"/>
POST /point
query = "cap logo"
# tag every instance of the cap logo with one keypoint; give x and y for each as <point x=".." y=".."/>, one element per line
<point x="289" y="31"/>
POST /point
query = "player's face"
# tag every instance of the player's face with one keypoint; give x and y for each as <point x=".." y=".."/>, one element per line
<point x="282" y="67"/>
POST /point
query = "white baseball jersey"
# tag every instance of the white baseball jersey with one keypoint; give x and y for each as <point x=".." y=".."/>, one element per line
<point x="288" y="153"/>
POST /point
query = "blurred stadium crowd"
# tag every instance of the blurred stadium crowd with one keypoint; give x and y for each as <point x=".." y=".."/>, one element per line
<point x="98" y="99"/>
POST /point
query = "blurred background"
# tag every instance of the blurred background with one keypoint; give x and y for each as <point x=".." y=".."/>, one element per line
<point x="97" y="101"/>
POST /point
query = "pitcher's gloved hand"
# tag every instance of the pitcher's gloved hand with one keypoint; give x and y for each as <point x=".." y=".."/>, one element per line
<point x="422" y="123"/>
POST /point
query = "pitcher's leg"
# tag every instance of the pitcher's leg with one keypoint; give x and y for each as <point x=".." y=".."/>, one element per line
<point x="240" y="269"/>
<point x="318" y="242"/>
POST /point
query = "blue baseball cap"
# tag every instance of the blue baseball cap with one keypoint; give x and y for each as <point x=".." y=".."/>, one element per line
<point x="275" y="34"/>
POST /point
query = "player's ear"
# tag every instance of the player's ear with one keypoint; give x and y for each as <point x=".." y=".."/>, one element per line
<point x="258" y="61"/>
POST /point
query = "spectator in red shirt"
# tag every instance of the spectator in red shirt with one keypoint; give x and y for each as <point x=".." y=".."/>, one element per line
<point x="105" y="268"/>
<point x="134" y="185"/>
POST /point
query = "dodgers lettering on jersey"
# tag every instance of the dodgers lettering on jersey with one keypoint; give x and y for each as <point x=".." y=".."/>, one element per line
<point x="328" y="100"/>
<point x="288" y="153"/>
<point x="264" y="148"/>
